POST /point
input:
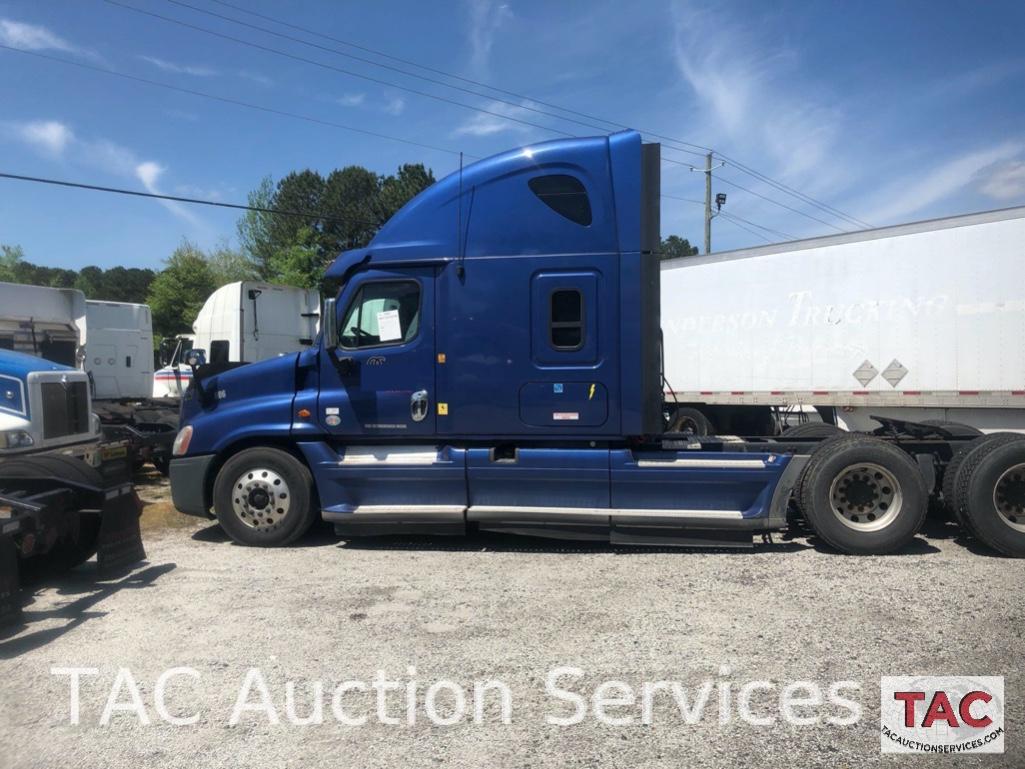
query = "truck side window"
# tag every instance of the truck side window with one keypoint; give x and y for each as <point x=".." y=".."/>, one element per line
<point x="219" y="351"/>
<point x="566" y="323"/>
<point x="565" y="195"/>
<point x="382" y="313"/>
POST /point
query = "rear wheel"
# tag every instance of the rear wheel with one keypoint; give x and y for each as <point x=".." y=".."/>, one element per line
<point x="991" y="488"/>
<point x="263" y="497"/>
<point x="952" y="488"/>
<point x="812" y="430"/>
<point x="862" y="495"/>
<point x="690" y="420"/>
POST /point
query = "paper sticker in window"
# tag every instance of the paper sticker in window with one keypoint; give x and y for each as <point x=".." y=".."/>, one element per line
<point x="388" y="327"/>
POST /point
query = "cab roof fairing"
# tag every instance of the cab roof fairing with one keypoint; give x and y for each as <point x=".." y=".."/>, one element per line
<point x="511" y="220"/>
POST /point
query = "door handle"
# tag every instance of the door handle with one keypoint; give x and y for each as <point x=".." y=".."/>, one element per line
<point x="418" y="405"/>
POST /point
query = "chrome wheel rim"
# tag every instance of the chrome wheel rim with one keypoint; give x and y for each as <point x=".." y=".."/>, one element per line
<point x="865" y="497"/>
<point x="1009" y="497"/>
<point x="260" y="499"/>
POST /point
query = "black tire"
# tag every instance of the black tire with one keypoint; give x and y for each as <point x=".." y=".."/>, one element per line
<point x="952" y="498"/>
<point x="881" y="525"/>
<point x="52" y="466"/>
<point x="991" y="491"/>
<point x="66" y="554"/>
<point x="812" y="430"/>
<point x="163" y="464"/>
<point x="260" y="521"/>
<point x="957" y="429"/>
<point x="690" y="419"/>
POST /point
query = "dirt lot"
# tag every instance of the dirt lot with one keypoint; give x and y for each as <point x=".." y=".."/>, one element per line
<point x="504" y="608"/>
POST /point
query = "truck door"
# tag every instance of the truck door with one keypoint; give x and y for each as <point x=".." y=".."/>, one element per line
<point x="379" y="381"/>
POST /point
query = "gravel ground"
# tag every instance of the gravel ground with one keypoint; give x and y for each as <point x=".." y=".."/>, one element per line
<point x="491" y="607"/>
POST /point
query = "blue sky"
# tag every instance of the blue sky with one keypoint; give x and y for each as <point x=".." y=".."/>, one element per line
<point x="888" y="111"/>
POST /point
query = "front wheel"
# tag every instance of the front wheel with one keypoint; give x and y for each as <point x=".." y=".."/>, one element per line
<point x="862" y="495"/>
<point x="263" y="498"/>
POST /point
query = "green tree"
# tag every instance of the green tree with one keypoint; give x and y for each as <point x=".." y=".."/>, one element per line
<point x="674" y="246"/>
<point x="11" y="258"/>
<point x="346" y="210"/>
<point x="230" y="265"/>
<point x="126" y="284"/>
<point x="90" y="282"/>
<point x="178" y="292"/>
<point x="254" y="228"/>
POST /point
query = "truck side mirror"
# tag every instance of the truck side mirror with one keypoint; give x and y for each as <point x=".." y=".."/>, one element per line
<point x="329" y="324"/>
<point x="196" y="357"/>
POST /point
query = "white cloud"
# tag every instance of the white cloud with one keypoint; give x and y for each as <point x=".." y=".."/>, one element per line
<point x="30" y="37"/>
<point x="1004" y="181"/>
<point x="901" y="199"/>
<point x="351" y="99"/>
<point x="180" y="69"/>
<point x="486" y="16"/>
<point x="482" y="124"/>
<point x="396" y="105"/>
<point x="50" y="136"/>
<point x="256" y="77"/>
<point x="57" y="140"/>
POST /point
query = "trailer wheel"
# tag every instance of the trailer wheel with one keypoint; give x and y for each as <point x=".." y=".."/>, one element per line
<point x="990" y="491"/>
<point x="263" y="498"/>
<point x="951" y="488"/>
<point x="863" y="496"/>
<point x="687" y="419"/>
<point x="812" y="430"/>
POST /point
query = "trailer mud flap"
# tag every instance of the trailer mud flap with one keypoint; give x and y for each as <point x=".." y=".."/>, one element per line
<point x="120" y="543"/>
<point x="10" y="592"/>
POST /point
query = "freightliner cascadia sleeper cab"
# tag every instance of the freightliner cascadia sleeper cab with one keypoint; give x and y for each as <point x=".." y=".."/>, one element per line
<point x="492" y="362"/>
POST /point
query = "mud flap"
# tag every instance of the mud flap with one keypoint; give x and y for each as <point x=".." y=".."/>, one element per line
<point x="10" y="589"/>
<point x="120" y="543"/>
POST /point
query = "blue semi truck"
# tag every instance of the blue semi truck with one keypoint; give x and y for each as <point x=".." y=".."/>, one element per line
<point x="492" y="361"/>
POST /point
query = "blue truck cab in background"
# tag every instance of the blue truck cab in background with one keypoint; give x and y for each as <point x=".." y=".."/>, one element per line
<point x="492" y="361"/>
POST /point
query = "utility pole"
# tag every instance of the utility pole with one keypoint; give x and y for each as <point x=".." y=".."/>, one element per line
<point x="708" y="203"/>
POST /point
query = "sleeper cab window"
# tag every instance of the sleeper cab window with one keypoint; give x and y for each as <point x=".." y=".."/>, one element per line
<point x="566" y="319"/>
<point x="565" y="195"/>
<point x="382" y="313"/>
<point x="220" y="351"/>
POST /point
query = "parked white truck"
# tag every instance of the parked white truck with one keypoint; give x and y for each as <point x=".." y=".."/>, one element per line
<point x="112" y="342"/>
<point x="246" y="321"/>
<point x="922" y="321"/>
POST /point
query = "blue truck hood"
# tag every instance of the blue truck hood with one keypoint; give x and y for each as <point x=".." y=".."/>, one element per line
<point x="19" y="365"/>
<point x="274" y="376"/>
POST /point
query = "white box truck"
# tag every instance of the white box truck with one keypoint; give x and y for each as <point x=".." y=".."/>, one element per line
<point x="922" y="321"/>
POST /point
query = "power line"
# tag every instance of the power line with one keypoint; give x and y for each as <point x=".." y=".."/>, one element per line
<point x="795" y="193"/>
<point x="748" y="229"/>
<point x="180" y="199"/>
<point x="341" y="70"/>
<point x="515" y="104"/>
<point x="228" y="100"/>
<point x="781" y="205"/>
<point x="786" y="189"/>
<point x="733" y="216"/>
<point x="452" y="75"/>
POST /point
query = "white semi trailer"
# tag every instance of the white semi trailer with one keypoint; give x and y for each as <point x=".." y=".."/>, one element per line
<point x="922" y="321"/>
<point x="242" y="322"/>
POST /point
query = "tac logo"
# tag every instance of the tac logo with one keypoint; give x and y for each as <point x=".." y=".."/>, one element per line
<point x="941" y="714"/>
